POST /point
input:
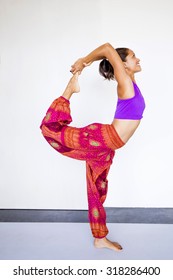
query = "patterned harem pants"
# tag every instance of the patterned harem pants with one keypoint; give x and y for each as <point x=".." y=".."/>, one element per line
<point x="96" y="144"/>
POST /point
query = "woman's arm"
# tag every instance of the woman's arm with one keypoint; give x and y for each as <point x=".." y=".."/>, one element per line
<point x="97" y="54"/>
<point x="104" y="51"/>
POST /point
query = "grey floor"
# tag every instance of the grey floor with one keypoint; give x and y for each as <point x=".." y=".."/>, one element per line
<point x="72" y="241"/>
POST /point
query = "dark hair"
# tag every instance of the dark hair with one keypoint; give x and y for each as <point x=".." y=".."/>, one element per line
<point x="106" y="69"/>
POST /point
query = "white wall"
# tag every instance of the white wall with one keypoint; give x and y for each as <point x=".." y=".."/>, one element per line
<point x="40" y="39"/>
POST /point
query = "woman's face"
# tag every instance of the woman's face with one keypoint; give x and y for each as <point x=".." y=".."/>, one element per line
<point x="132" y="63"/>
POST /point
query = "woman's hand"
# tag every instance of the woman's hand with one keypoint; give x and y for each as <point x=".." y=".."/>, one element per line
<point x="78" y="66"/>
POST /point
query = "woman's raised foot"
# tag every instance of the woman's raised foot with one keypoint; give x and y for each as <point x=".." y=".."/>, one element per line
<point x="73" y="84"/>
<point x="72" y="87"/>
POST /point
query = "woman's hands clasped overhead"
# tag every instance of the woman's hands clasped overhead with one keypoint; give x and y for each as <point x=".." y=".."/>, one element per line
<point x="78" y="66"/>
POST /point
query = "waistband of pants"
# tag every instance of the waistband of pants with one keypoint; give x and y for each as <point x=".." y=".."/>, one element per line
<point x="111" y="137"/>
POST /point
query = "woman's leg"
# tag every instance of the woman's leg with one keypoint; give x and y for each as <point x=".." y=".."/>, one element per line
<point x="97" y="191"/>
<point x="106" y="141"/>
<point x="58" y="116"/>
<point x="97" y="187"/>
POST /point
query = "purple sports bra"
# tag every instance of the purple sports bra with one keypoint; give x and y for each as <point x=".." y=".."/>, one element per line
<point x="131" y="108"/>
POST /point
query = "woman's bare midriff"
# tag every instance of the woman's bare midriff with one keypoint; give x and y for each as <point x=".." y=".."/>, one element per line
<point x="125" y="128"/>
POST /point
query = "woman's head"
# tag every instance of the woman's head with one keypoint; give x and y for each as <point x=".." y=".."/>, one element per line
<point x="129" y="59"/>
<point x="106" y="69"/>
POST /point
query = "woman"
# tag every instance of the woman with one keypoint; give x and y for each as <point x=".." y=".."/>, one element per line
<point x="96" y="143"/>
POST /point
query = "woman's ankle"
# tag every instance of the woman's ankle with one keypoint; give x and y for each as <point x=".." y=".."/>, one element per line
<point x="67" y="94"/>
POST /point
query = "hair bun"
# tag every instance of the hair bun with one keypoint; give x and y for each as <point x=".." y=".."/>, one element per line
<point x="106" y="70"/>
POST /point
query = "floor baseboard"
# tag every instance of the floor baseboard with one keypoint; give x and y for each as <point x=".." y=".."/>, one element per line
<point x="114" y="215"/>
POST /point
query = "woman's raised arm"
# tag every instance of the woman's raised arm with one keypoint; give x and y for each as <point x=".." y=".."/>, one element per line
<point x="97" y="54"/>
<point x="104" y="51"/>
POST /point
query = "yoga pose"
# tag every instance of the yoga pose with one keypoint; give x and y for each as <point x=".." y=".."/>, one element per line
<point x="96" y="143"/>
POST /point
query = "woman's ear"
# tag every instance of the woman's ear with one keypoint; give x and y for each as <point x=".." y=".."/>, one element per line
<point x="125" y="65"/>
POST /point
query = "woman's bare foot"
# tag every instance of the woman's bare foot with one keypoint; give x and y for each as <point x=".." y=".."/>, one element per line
<point x="105" y="243"/>
<point x="72" y="86"/>
<point x="74" y="83"/>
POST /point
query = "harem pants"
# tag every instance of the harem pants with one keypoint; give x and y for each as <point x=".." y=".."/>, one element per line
<point x="96" y="144"/>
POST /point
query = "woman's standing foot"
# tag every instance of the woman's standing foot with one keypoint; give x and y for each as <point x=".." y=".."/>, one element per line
<point x="105" y="243"/>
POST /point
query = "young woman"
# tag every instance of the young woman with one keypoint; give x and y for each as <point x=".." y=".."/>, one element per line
<point x="96" y="143"/>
